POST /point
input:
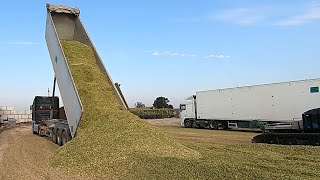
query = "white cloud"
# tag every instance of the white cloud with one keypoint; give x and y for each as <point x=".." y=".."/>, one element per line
<point x="311" y="13"/>
<point x="270" y="15"/>
<point x="220" y="56"/>
<point x="178" y="54"/>
<point x="22" y="43"/>
<point x="169" y="53"/>
<point x="239" y="16"/>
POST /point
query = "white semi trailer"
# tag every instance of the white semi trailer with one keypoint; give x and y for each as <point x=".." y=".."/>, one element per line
<point x="236" y="107"/>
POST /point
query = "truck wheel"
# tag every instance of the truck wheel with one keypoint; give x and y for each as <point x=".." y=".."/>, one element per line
<point x="54" y="136"/>
<point x="224" y="125"/>
<point x="187" y="123"/>
<point x="213" y="125"/>
<point x="59" y="137"/>
<point x="64" y="138"/>
<point x="39" y="131"/>
<point x="195" y="125"/>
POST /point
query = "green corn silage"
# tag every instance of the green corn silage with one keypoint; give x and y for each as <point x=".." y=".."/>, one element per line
<point x="110" y="142"/>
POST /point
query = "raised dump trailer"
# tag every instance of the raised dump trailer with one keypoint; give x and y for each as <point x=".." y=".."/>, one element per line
<point x="241" y="106"/>
<point x="63" y="23"/>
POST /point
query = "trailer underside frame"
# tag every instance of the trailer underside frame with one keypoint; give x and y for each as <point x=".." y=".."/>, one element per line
<point x="288" y="138"/>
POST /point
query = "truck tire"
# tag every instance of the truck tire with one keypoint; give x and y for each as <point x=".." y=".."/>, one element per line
<point x="195" y="125"/>
<point x="213" y="125"/>
<point x="224" y="125"/>
<point x="59" y="137"/>
<point x="64" y="138"/>
<point x="39" y="131"/>
<point x="187" y="123"/>
<point x="54" y="135"/>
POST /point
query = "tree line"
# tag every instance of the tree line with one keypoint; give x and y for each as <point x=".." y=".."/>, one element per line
<point x="159" y="102"/>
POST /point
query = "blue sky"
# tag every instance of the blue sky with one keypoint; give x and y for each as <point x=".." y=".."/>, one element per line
<point x="167" y="48"/>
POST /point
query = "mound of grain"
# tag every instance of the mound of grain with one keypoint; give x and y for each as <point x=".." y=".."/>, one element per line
<point x="110" y="141"/>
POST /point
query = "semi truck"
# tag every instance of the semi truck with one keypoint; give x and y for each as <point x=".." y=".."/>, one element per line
<point x="249" y="105"/>
<point x="48" y="120"/>
<point x="64" y="23"/>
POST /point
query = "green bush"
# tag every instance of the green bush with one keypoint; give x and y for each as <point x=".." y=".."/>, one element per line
<point x="153" y="113"/>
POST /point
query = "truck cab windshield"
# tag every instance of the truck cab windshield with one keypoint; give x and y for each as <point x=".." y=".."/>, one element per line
<point x="182" y="107"/>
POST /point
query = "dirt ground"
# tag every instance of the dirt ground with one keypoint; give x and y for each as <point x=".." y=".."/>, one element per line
<point x="164" y="122"/>
<point x="24" y="155"/>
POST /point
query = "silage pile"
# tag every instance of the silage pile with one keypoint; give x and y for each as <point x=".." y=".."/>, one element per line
<point x="110" y="141"/>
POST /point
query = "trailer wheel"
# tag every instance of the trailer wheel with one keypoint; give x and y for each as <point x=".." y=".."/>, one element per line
<point x="187" y="123"/>
<point x="59" y="138"/>
<point x="213" y="125"/>
<point x="64" y="138"/>
<point x="54" y="135"/>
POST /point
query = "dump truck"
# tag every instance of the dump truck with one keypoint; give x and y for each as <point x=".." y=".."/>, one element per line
<point x="64" y="23"/>
<point x="305" y="131"/>
<point x="250" y="106"/>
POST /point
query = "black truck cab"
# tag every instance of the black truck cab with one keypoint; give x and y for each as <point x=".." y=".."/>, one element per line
<point x="50" y="120"/>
